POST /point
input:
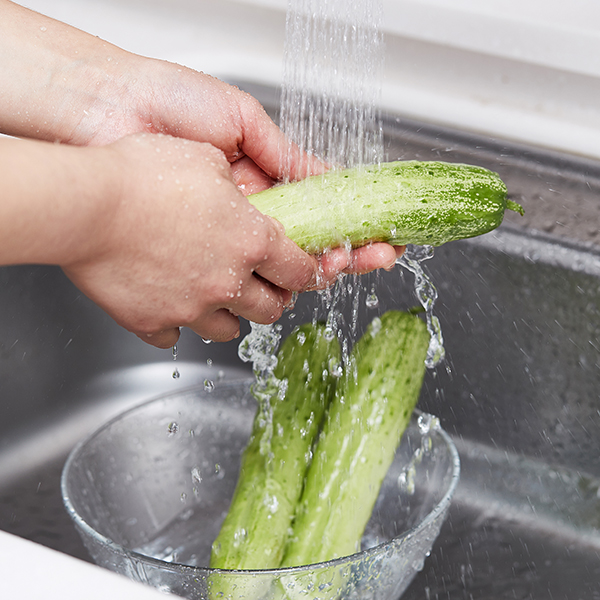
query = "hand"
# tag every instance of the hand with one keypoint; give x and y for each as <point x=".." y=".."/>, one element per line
<point x="182" y="246"/>
<point x="152" y="269"/>
<point x="181" y="102"/>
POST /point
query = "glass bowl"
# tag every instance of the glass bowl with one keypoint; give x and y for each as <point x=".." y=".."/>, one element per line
<point x="148" y="492"/>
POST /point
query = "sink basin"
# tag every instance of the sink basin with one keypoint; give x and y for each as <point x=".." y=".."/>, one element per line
<point x="519" y="391"/>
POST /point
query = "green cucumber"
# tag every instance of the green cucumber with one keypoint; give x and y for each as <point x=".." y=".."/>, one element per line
<point x="256" y="528"/>
<point x="403" y="202"/>
<point x="356" y="447"/>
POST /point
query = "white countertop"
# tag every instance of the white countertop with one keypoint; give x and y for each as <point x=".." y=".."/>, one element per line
<point x="30" y="571"/>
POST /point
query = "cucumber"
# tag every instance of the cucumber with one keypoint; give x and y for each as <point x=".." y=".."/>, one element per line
<point x="402" y="202"/>
<point x="255" y="530"/>
<point x="356" y="447"/>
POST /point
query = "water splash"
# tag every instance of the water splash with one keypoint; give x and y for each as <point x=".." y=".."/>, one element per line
<point x="260" y="348"/>
<point x="427" y="295"/>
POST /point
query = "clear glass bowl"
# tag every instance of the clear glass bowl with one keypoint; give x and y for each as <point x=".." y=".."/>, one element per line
<point x="148" y="492"/>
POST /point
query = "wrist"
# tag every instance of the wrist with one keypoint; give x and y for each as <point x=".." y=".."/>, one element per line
<point x="59" y="83"/>
<point x="57" y="201"/>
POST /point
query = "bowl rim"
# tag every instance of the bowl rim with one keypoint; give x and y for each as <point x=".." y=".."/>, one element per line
<point x="80" y="522"/>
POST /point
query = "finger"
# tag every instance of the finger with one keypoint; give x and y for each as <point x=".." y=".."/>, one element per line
<point x="284" y="264"/>
<point x="373" y="256"/>
<point x="219" y="326"/>
<point x="162" y="339"/>
<point x="270" y="149"/>
<point x="399" y="251"/>
<point x="249" y="177"/>
<point x="331" y="264"/>
<point x="259" y="301"/>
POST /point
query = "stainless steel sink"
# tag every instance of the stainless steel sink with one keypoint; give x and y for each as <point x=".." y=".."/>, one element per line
<point x="519" y="391"/>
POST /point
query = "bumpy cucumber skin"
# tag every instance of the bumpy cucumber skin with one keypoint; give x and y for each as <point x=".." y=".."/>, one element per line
<point x="256" y="528"/>
<point x="402" y="202"/>
<point x="356" y="447"/>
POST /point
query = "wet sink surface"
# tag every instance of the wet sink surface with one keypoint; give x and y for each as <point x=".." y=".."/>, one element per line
<point x="520" y="391"/>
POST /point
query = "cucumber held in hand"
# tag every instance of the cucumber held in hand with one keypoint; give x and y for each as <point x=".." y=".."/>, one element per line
<point x="365" y="421"/>
<point x="403" y="202"/>
<point x="255" y="530"/>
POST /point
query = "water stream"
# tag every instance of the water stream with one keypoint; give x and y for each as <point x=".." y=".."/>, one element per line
<point x="333" y="66"/>
<point x="333" y="61"/>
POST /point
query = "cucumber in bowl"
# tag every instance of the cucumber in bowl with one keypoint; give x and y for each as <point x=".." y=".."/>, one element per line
<point x="350" y="452"/>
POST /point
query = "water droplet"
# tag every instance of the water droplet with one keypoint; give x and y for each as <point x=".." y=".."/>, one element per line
<point x="239" y="537"/>
<point x="375" y="326"/>
<point x="427" y="422"/>
<point x="329" y="333"/>
<point x="196" y="475"/>
<point x="176" y="374"/>
<point x="209" y="385"/>
<point x="42" y="28"/>
<point x="406" y="479"/>
<point x="335" y="368"/>
<point x="172" y="428"/>
<point x="372" y="300"/>
<point x="209" y="362"/>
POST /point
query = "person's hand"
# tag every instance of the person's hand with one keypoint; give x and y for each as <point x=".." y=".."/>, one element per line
<point x="182" y="246"/>
<point x="66" y="85"/>
<point x="181" y="102"/>
<point x="163" y="263"/>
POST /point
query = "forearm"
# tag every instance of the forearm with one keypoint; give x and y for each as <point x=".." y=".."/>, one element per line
<point x="55" y="201"/>
<point x="55" y="78"/>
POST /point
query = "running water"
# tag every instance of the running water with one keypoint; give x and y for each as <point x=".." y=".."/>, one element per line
<point x="333" y="61"/>
<point x="427" y="295"/>
<point x="259" y="347"/>
<point x="332" y="72"/>
<point x="333" y="68"/>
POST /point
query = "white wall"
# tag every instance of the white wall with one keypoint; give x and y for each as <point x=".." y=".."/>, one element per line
<point x="527" y="70"/>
